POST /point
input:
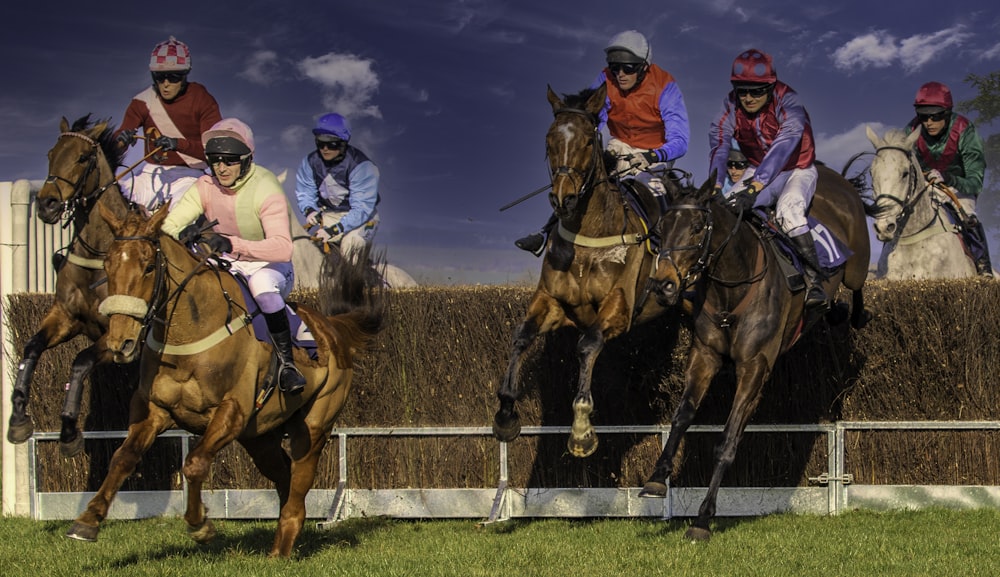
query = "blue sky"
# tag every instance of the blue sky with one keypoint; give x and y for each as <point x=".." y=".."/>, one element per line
<point x="448" y="97"/>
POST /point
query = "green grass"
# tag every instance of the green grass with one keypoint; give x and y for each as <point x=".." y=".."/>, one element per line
<point x="937" y="542"/>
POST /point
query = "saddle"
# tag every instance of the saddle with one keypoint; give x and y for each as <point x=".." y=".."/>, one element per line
<point x="831" y="251"/>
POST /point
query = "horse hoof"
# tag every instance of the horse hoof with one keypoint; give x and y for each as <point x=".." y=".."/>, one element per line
<point x="72" y="447"/>
<point x="82" y="532"/>
<point x="654" y="489"/>
<point x="19" y="430"/>
<point x="697" y="534"/>
<point x="203" y="533"/>
<point x="507" y="432"/>
<point x="581" y="448"/>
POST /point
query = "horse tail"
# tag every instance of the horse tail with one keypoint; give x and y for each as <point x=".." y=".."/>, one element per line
<point x="353" y="298"/>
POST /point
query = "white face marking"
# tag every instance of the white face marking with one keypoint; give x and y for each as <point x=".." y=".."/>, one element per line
<point x="567" y="133"/>
<point x="123" y="256"/>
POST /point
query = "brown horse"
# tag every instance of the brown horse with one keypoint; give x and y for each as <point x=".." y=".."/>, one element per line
<point x="80" y="177"/>
<point x="203" y="370"/>
<point x="596" y="266"/>
<point x="744" y="310"/>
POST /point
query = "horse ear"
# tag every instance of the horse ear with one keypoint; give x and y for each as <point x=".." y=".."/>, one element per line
<point x="708" y="187"/>
<point x="156" y="221"/>
<point x="596" y="101"/>
<point x="98" y="128"/>
<point x="63" y="125"/>
<point x="872" y="137"/>
<point x="114" y="222"/>
<point x="554" y="99"/>
<point x="912" y="138"/>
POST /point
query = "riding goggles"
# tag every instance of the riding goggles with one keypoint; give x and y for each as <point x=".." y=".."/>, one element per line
<point x="741" y="164"/>
<point x="626" y="67"/>
<point x="331" y="145"/>
<point x="173" y="77"/>
<point x="227" y="159"/>
<point x="755" y="92"/>
<point x="936" y="117"/>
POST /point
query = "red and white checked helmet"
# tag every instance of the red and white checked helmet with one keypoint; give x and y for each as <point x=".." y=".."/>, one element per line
<point x="170" y="56"/>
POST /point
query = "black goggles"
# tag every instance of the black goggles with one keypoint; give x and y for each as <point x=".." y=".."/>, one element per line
<point x="626" y="67"/>
<point x="173" y="77"/>
<point x="755" y="92"/>
<point x="936" y="117"/>
<point x="331" y="145"/>
<point x="227" y="159"/>
<point x="741" y="164"/>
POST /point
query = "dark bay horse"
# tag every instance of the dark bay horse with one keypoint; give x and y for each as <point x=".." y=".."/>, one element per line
<point x="202" y="369"/>
<point x="80" y="177"/>
<point x="596" y="265"/>
<point x="743" y="309"/>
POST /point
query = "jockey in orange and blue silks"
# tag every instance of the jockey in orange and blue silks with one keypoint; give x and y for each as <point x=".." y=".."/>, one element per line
<point x="771" y="126"/>
<point x="644" y="112"/>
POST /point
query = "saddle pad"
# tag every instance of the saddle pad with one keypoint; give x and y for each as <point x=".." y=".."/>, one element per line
<point x="301" y="337"/>
<point x="830" y="250"/>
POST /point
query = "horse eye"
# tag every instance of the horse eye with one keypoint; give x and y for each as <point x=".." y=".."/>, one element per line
<point x="150" y="268"/>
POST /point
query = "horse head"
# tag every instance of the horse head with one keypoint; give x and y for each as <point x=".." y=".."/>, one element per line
<point x="897" y="181"/>
<point x="135" y="269"/>
<point x="573" y="149"/>
<point x="685" y="232"/>
<point x="81" y="159"/>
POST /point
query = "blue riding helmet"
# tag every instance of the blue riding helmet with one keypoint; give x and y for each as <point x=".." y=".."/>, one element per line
<point x="332" y="125"/>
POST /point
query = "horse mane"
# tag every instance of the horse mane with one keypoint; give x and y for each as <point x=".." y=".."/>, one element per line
<point x="578" y="100"/>
<point x="110" y="148"/>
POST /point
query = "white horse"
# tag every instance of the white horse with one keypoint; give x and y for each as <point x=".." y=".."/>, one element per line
<point x="307" y="258"/>
<point x="920" y="238"/>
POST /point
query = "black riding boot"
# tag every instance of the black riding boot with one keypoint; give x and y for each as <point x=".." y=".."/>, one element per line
<point x="290" y="380"/>
<point x="815" y="295"/>
<point x="984" y="266"/>
<point x="535" y="242"/>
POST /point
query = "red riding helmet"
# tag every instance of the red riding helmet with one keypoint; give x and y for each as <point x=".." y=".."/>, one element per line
<point x="935" y="95"/>
<point x="753" y="67"/>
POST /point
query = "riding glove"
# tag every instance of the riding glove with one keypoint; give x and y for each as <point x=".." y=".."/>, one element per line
<point x="166" y="143"/>
<point x="742" y="201"/>
<point x="125" y="138"/>
<point x="219" y="243"/>
<point x="933" y="176"/>
<point x="190" y="234"/>
<point x="313" y="218"/>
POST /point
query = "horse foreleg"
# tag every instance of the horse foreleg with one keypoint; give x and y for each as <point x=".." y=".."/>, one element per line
<point x="70" y="439"/>
<point x="583" y="440"/>
<point x="703" y="365"/>
<point x="544" y="314"/>
<point x="57" y="327"/>
<point x="750" y="377"/>
<point x="141" y="435"/>
<point x="226" y="424"/>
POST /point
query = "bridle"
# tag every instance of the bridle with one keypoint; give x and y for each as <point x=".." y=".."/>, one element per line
<point x="914" y="193"/>
<point x="78" y="199"/>
<point x="586" y="181"/>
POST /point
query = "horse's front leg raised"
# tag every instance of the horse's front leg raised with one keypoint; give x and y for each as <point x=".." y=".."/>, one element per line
<point x="750" y="377"/>
<point x="141" y="434"/>
<point x="226" y="424"/>
<point x="544" y="314"/>
<point x="703" y="364"/>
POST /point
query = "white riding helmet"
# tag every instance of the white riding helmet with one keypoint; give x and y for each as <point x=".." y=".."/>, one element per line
<point x="631" y="41"/>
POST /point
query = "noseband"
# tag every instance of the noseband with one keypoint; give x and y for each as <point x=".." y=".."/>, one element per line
<point x="913" y="192"/>
<point x="78" y="197"/>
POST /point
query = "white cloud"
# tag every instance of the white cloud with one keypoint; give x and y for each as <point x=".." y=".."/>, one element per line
<point x="880" y="49"/>
<point x="835" y="150"/>
<point x="992" y="53"/>
<point x="262" y="67"/>
<point x="349" y="83"/>
<point x="876" y="49"/>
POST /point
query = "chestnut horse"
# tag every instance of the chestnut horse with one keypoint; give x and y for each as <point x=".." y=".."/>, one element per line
<point x="596" y="266"/>
<point x="203" y="370"/>
<point x="80" y="177"/>
<point x="743" y="308"/>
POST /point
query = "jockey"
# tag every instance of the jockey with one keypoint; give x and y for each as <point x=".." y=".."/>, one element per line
<point x="252" y="231"/>
<point x="336" y="187"/>
<point x="172" y="114"/>
<point x="738" y="172"/>
<point x="951" y="153"/>
<point x="771" y="126"/>
<point x="644" y="113"/>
